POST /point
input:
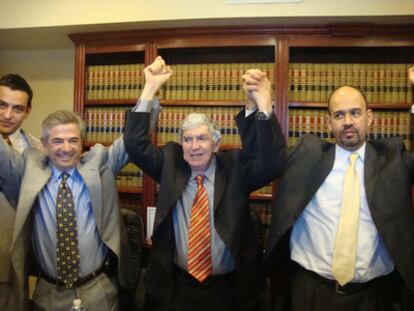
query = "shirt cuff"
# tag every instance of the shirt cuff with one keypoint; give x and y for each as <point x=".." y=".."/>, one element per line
<point x="144" y="105"/>
<point x="248" y="112"/>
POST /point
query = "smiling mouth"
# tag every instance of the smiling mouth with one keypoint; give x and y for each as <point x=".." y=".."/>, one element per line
<point x="6" y="124"/>
<point x="65" y="158"/>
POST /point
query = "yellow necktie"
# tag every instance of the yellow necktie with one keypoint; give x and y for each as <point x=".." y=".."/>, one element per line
<point x="343" y="265"/>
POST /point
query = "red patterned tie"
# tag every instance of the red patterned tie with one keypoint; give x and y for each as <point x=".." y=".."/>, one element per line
<point x="199" y="243"/>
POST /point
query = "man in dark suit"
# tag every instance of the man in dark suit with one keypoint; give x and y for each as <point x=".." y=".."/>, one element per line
<point x="233" y="279"/>
<point x="375" y="270"/>
<point x="98" y="241"/>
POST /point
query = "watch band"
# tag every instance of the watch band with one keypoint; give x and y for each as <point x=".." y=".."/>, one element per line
<point x="260" y="115"/>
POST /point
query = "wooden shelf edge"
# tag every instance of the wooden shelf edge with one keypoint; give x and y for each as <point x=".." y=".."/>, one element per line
<point x="261" y="196"/>
<point x="298" y="104"/>
<point x="111" y="102"/>
<point x="214" y="103"/>
<point x="130" y="189"/>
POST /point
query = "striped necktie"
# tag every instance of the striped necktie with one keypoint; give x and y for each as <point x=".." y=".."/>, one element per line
<point x="199" y="242"/>
<point x="67" y="245"/>
<point x="344" y="259"/>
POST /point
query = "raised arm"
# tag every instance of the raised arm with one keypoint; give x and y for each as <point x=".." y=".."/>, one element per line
<point x="263" y="142"/>
<point x="139" y="124"/>
<point x="258" y="91"/>
<point x="156" y="75"/>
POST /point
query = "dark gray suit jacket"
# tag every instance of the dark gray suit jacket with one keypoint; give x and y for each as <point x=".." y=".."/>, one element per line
<point x="389" y="176"/>
<point x="237" y="174"/>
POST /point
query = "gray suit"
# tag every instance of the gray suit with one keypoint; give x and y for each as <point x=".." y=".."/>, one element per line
<point x="8" y="203"/>
<point x="29" y="173"/>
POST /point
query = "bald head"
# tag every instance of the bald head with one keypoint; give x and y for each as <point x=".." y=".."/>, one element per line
<point x="348" y="117"/>
<point x="346" y="94"/>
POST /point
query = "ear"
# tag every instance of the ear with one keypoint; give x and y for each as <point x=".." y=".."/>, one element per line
<point x="28" y="110"/>
<point x="370" y="116"/>
<point x="328" y="121"/>
<point x="216" y="145"/>
<point x="44" y="142"/>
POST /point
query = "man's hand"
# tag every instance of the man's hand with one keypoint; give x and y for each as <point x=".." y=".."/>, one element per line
<point x="156" y="75"/>
<point x="411" y="74"/>
<point x="258" y="90"/>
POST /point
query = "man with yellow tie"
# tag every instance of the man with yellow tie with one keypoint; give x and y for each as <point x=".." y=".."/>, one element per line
<point x="204" y="253"/>
<point x="342" y="231"/>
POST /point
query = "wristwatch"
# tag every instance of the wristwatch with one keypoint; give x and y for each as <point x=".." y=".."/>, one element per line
<point x="260" y="115"/>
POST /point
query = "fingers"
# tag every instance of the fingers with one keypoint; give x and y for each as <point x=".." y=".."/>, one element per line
<point x="158" y="66"/>
<point x="254" y="74"/>
<point x="253" y="77"/>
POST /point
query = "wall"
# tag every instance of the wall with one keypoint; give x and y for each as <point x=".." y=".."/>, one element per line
<point x="44" y="13"/>
<point x="49" y="73"/>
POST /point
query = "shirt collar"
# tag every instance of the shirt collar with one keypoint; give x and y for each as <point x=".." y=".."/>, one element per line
<point x="209" y="172"/>
<point x="16" y="136"/>
<point x="343" y="154"/>
<point x="56" y="173"/>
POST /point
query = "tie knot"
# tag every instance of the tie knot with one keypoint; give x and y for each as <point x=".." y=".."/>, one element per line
<point x="199" y="179"/>
<point x="8" y="141"/>
<point x="65" y="177"/>
<point x="353" y="157"/>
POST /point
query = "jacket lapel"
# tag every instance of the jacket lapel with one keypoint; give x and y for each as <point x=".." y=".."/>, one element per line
<point x="220" y="180"/>
<point x="35" y="179"/>
<point x="372" y="164"/>
<point x="90" y="175"/>
<point x="168" y="198"/>
<point x="320" y="171"/>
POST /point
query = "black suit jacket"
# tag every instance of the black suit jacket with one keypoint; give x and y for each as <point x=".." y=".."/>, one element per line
<point x="237" y="174"/>
<point x="389" y="175"/>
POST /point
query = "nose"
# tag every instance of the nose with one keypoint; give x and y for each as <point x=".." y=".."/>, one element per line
<point x="8" y="113"/>
<point x="66" y="146"/>
<point x="194" y="144"/>
<point x="348" y="118"/>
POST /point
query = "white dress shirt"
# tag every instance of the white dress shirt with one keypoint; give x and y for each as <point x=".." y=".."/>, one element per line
<point x="313" y="235"/>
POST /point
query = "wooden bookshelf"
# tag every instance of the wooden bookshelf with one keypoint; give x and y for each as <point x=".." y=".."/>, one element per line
<point x="217" y="49"/>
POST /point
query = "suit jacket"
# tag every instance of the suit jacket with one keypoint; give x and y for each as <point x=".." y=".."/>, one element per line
<point x="8" y="204"/>
<point x="236" y="176"/>
<point x="33" y="141"/>
<point x="29" y="173"/>
<point x="389" y="175"/>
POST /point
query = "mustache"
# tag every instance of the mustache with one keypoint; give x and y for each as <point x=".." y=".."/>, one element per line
<point x="349" y="127"/>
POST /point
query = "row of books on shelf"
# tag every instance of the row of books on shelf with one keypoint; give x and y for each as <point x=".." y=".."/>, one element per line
<point x="105" y="124"/>
<point x="381" y="83"/>
<point x="219" y="81"/>
<point x="171" y="118"/>
<point x="129" y="176"/>
<point x="386" y="123"/>
<point x="268" y="190"/>
<point x="261" y="210"/>
<point x="114" y="81"/>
